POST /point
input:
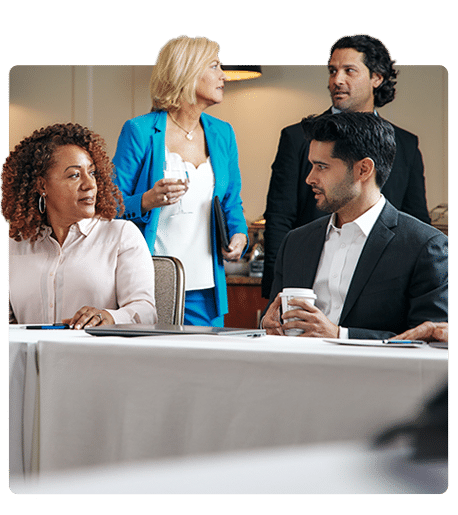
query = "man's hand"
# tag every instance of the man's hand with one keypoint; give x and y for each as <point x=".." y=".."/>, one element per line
<point x="312" y="321"/>
<point x="427" y="331"/>
<point x="271" y="321"/>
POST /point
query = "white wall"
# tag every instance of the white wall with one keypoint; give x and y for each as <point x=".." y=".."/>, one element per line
<point x="103" y="97"/>
<point x="259" y="109"/>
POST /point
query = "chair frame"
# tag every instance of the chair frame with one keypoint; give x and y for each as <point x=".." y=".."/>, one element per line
<point x="178" y="311"/>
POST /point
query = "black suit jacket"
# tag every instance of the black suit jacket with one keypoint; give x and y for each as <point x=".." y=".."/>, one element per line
<point x="291" y="202"/>
<point x="400" y="281"/>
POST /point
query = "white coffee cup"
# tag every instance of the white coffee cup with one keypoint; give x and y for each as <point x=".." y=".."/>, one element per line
<point x="287" y="295"/>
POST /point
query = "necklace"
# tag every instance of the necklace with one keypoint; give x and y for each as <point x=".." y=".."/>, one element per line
<point x="189" y="134"/>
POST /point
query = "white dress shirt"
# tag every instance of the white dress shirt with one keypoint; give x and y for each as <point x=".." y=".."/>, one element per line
<point x="104" y="264"/>
<point x="339" y="257"/>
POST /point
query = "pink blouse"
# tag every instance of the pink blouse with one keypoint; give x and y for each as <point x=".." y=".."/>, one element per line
<point x="105" y="264"/>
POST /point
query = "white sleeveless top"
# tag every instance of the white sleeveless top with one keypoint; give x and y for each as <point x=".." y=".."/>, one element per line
<point x="188" y="236"/>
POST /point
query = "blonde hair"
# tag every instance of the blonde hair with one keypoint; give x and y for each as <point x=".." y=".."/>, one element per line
<point x="180" y="64"/>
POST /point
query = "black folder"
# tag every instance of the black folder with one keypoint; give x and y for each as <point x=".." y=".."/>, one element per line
<point x="222" y="233"/>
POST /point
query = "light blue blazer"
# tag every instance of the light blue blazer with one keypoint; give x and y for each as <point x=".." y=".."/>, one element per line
<point x="139" y="164"/>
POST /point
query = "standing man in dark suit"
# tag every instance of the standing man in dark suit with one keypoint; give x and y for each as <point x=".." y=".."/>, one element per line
<point x="361" y="78"/>
<point x="376" y="271"/>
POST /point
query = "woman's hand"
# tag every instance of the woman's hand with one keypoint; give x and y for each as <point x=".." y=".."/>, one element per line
<point x="164" y="193"/>
<point x="236" y="246"/>
<point x="89" y="316"/>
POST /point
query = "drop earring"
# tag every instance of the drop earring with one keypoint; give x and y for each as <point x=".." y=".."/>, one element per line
<point x="42" y="203"/>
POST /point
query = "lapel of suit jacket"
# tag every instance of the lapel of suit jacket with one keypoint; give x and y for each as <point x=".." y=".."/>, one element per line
<point x="313" y="247"/>
<point x="376" y="243"/>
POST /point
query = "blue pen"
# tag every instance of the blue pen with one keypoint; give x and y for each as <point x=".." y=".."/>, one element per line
<point x="400" y="342"/>
<point x="48" y="326"/>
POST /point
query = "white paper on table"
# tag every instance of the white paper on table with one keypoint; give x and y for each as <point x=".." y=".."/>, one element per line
<point x="375" y="343"/>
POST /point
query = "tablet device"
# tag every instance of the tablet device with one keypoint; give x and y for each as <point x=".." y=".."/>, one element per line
<point x="161" y="329"/>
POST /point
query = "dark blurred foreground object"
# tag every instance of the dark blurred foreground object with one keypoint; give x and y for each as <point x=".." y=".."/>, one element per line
<point x="428" y="433"/>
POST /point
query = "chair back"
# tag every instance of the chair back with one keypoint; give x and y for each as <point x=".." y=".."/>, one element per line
<point x="169" y="289"/>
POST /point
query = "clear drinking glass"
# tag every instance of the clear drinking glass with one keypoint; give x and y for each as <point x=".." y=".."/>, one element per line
<point x="181" y="175"/>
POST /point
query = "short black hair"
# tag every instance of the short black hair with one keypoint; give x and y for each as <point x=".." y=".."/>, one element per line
<point x="356" y="135"/>
<point x="378" y="60"/>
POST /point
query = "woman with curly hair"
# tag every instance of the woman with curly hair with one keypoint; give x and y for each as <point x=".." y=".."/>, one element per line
<point x="69" y="260"/>
<point x="177" y="135"/>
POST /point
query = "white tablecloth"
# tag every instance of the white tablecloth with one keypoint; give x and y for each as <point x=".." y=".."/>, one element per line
<point x="333" y="468"/>
<point x="111" y="400"/>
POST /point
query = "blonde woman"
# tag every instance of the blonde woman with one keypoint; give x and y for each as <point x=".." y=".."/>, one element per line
<point x="178" y="219"/>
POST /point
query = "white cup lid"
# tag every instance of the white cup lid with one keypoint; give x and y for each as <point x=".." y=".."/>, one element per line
<point x="298" y="292"/>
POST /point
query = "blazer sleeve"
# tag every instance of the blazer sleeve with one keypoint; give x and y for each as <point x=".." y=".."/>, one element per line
<point x="426" y="295"/>
<point x="405" y="187"/>
<point x="282" y="203"/>
<point x="232" y="201"/>
<point x="414" y="201"/>
<point x="129" y="159"/>
<point x="277" y="276"/>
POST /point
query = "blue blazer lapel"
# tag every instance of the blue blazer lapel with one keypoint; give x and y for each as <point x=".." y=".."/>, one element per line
<point x="378" y="239"/>
<point x="214" y="149"/>
<point x="158" y="146"/>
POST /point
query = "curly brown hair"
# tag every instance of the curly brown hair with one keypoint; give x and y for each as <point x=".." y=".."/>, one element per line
<point x="31" y="159"/>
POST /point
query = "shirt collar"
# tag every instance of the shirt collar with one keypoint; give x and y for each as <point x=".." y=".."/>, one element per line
<point x="334" y="110"/>
<point x="85" y="226"/>
<point x="366" y="221"/>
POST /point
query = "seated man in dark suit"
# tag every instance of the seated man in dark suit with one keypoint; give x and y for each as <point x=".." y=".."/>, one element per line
<point x="361" y="78"/>
<point x="376" y="271"/>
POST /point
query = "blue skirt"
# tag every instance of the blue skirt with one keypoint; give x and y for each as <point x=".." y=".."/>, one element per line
<point x="200" y="308"/>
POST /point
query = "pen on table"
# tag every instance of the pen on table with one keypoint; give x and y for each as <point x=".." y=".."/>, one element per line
<point x="394" y="342"/>
<point x="48" y="326"/>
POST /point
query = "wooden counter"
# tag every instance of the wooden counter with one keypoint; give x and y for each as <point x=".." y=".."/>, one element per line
<point x="245" y="301"/>
<point x="243" y="279"/>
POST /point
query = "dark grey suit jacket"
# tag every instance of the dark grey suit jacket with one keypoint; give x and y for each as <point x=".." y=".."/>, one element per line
<point x="291" y="202"/>
<point x="400" y="281"/>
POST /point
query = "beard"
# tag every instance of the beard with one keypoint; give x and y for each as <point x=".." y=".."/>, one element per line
<point x="342" y="104"/>
<point x="338" y="196"/>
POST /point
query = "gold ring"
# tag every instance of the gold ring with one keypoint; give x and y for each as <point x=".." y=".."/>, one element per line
<point x="166" y="199"/>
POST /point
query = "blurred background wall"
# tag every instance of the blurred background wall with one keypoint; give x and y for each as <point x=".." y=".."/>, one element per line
<point x="104" y="97"/>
